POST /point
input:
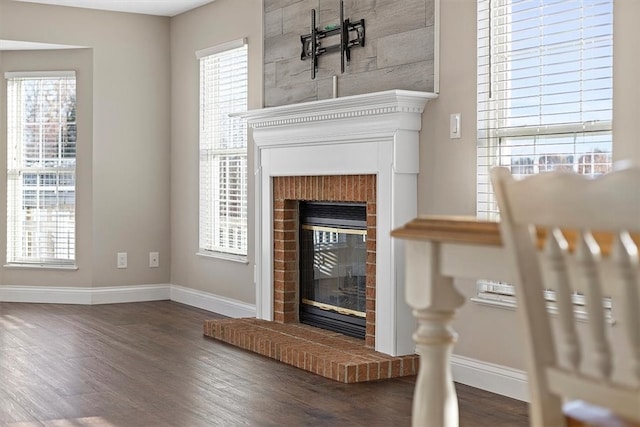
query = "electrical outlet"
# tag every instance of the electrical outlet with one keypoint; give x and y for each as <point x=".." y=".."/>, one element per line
<point x="122" y="260"/>
<point x="154" y="259"/>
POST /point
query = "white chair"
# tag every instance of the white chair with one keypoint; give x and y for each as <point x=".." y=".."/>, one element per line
<point x="578" y="356"/>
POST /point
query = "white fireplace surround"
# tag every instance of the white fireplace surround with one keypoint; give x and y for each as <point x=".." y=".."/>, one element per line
<point x="376" y="133"/>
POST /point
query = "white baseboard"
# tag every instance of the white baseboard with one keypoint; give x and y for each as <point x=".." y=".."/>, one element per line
<point x="490" y="377"/>
<point x="123" y="294"/>
<point x="138" y="293"/>
<point x="85" y="295"/>
<point x="211" y="302"/>
<point x="45" y="294"/>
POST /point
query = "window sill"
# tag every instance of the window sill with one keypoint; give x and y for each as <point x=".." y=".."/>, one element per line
<point x="493" y="300"/>
<point x="507" y="302"/>
<point x="41" y="267"/>
<point x="242" y="259"/>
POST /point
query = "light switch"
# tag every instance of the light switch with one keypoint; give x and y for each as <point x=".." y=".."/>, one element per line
<point x="454" y="126"/>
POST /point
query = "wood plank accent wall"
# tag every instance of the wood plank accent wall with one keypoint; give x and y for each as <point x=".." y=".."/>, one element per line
<point x="398" y="51"/>
<point x="287" y="192"/>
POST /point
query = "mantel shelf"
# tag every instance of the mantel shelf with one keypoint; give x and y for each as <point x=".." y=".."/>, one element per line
<point x="390" y="101"/>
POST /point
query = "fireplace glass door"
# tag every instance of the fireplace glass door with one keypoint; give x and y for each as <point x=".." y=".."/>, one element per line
<point x="333" y="255"/>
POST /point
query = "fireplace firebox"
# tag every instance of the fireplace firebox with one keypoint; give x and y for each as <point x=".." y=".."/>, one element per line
<point x="333" y="255"/>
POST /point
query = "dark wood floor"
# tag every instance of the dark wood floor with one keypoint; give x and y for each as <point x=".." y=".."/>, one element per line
<point x="147" y="364"/>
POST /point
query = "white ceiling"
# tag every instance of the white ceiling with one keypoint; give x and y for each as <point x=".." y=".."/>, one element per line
<point x="148" y="7"/>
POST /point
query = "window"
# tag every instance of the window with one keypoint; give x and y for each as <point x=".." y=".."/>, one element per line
<point x="41" y="168"/>
<point x="223" y="150"/>
<point x="544" y="91"/>
<point x="544" y="88"/>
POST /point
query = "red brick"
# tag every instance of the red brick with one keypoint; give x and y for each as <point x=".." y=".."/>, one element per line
<point x="335" y="368"/>
<point x="374" y="371"/>
<point x="278" y="276"/>
<point x="371" y="233"/>
<point x="371" y="329"/>
<point x="336" y="187"/>
<point x="371" y="189"/>
<point x="362" y="372"/>
<point x="371" y="316"/>
<point x="370" y="342"/>
<point x="290" y="245"/>
<point x="351" y="373"/>
<point x="371" y="269"/>
<point x="352" y="188"/>
<point x="396" y="368"/>
<point x="290" y="318"/>
<point x="316" y="187"/>
<point x="371" y="207"/>
<point x="361" y="195"/>
<point x="385" y="369"/>
<point x="304" y="188"/>
<point x="278" y="215"/>
<point x="314" y="363"/>
<point x="278" y="186"/>
<point x="289" y="256"/>
<point x="371" y="257"/>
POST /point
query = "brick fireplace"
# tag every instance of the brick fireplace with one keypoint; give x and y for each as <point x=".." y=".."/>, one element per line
<point x="287" y="191"/>
<point x="360" y="148"/>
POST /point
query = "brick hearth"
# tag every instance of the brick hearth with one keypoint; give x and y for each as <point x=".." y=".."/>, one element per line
<point x="329" y="354"/>
<point x="322" y="352"/>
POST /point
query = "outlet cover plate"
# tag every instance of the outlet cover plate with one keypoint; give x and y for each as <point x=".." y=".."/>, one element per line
<point x="154" y="259"/>
<point x="122" y="260"/>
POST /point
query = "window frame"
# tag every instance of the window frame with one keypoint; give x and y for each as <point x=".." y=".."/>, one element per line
<point x="209" y="155"/>
<point x="493" y="81"/>
<point x="15" y="256"/>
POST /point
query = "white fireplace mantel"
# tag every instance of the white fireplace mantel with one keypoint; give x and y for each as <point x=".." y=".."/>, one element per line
<point x="376" y="133"/>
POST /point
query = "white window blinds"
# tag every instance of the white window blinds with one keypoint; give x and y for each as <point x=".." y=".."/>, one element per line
<point x="41" y="166"/>
<point x="223" y="150"/>
<point x="544" y="88"/>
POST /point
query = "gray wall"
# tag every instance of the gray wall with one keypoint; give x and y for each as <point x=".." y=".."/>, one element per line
<point x="124" y="157"/>
<point x="447" y="182"/>
<point x="398" y="53"/>
<point x="218" y="22"/>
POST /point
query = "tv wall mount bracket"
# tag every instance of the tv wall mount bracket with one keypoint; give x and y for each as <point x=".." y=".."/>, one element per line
<point x="352" y="34"/>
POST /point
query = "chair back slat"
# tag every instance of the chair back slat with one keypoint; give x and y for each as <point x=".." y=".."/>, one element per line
<point x="588" y="258"/>
<point x="590" y="350"/>
<point x="556" y="249"/>
<point x="625" y="255"/>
